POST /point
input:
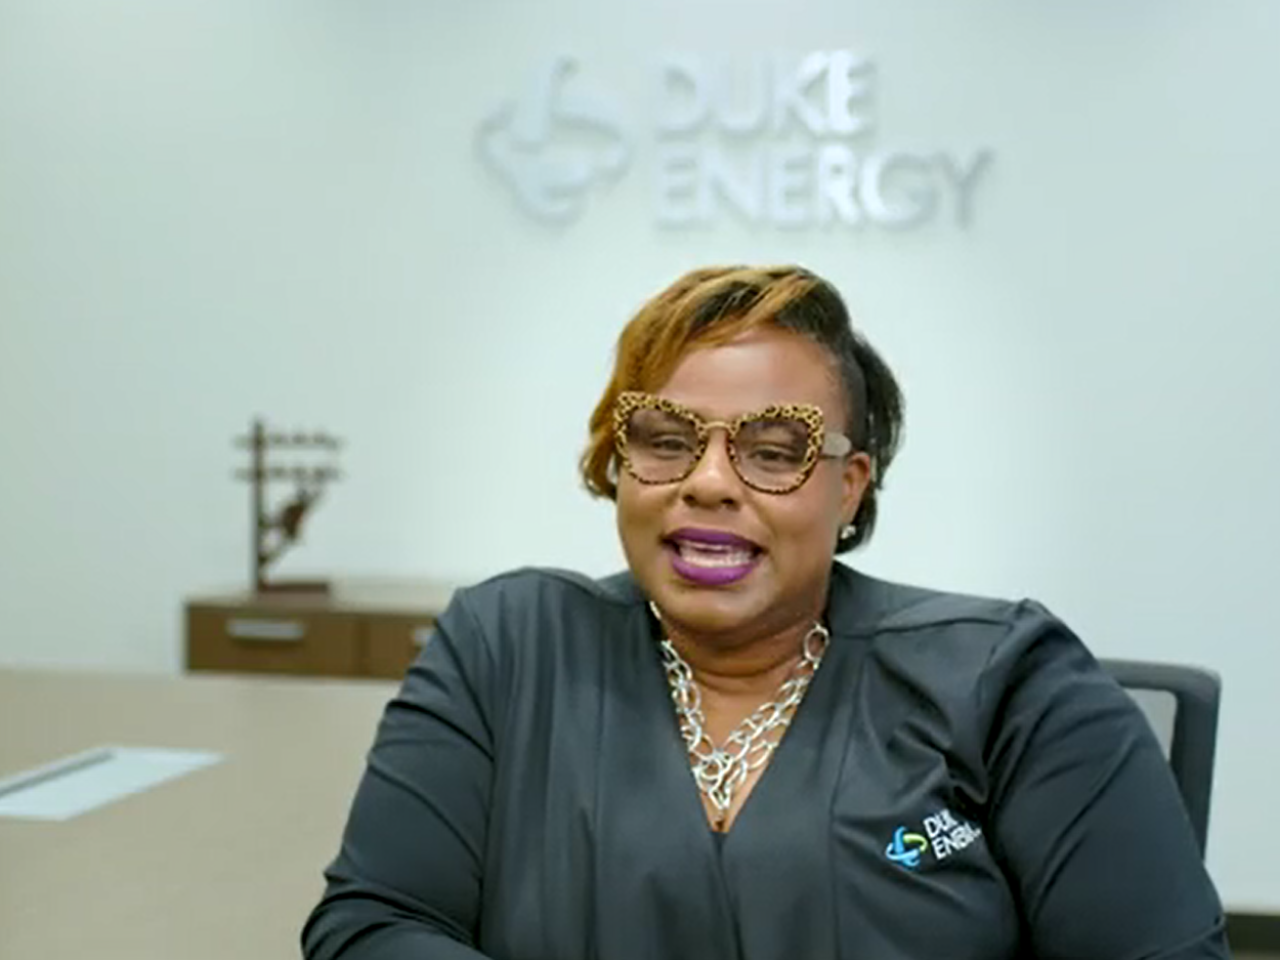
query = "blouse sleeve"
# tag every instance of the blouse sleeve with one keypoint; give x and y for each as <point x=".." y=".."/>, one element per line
<point x="1085" y="815"/>
<point x="406" y="882"/>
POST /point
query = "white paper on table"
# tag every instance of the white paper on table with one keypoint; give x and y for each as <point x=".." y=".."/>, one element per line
<point x="86" y="781"/>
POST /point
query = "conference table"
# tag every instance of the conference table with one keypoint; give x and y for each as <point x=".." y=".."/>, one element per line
<point x="222" y="863"/>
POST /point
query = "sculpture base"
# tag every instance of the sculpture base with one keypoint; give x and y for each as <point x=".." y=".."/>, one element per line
<point x="296" y="586"/>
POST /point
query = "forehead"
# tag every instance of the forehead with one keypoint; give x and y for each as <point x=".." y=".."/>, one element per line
<point x="758" y="369"/>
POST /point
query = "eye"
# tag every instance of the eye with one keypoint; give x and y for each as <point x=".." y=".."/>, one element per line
<point x="668" y="443"/>
<point x="776" y="454"/>
<point x="775" y="445"/>
<point x="660" y="435"/>
<point x="774" y="457"/>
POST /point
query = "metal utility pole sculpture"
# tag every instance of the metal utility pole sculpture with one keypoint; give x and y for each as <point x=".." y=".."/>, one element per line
<point x="275" y="531"/>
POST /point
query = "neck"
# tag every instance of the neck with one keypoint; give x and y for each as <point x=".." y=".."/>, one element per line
<point x="749" y="668"/>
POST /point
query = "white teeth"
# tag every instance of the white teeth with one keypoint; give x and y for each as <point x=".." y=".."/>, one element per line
<point x="713" y="555"/>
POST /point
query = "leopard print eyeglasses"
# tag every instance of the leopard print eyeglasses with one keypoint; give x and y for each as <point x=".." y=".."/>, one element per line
<point x="774" y="450"/>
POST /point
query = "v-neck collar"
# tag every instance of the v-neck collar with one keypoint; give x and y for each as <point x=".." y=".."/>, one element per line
<point x="654" y="839"/>
<point x="845" y="616"/>
<point x="786" y="757"/>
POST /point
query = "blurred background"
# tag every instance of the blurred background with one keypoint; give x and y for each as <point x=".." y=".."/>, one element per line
<point x="421" y="225"/>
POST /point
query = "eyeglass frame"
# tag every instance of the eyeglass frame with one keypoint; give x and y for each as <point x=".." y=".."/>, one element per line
<point x="823" y="444"/>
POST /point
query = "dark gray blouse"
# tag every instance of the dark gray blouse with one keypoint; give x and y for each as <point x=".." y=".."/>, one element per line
<point x="962" y="781"/>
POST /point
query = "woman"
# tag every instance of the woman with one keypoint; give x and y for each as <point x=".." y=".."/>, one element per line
<point x="598" y="769"/>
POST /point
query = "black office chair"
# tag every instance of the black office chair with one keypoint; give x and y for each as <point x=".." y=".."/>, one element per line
<point x="1191" y="743"/>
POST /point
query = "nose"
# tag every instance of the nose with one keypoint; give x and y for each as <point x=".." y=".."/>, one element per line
<point x="714" y="481"/>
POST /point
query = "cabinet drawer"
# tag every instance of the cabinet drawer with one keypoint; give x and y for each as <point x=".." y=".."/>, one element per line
<point x="272" y="641"/>
<point x="392" y="644"/>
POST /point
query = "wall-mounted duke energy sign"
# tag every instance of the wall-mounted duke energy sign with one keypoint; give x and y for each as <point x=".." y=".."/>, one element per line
<point x="789" y="142"/>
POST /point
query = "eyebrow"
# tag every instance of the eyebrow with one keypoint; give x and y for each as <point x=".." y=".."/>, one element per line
<point x="742" y="413"/>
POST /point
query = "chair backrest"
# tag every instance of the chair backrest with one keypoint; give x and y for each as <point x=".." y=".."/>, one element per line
<point x="1181" y="703"/>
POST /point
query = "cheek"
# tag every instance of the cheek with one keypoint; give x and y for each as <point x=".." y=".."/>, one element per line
<point x="638" y="507"/>
<point x="811" y="513"/>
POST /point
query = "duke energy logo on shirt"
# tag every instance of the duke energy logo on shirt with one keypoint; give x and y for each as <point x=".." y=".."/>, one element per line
<point x="944" y="834"/>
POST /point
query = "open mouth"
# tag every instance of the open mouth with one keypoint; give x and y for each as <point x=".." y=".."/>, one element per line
<point x="712" y="557"/>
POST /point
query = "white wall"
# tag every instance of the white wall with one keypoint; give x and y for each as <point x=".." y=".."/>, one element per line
<point x="209" y="210"/>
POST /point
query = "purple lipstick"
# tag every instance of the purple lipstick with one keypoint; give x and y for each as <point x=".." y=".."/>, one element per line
<point x="711" y="558"/>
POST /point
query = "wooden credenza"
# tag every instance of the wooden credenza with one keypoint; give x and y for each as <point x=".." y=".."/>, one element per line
<point x="362" y="628"/>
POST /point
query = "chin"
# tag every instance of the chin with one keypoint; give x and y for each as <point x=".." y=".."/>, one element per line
<point x="710" y="609"/>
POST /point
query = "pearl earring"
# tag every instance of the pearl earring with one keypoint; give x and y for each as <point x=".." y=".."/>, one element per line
<point x="847" y="531"/>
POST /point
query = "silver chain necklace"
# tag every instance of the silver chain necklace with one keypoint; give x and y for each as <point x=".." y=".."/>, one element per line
<point x="720" y="771"/>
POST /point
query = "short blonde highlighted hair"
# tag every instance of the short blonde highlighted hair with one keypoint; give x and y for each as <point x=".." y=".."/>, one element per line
<point x="713" y="305"/>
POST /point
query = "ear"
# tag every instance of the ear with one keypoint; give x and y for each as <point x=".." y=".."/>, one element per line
<point x="855" y="479"/>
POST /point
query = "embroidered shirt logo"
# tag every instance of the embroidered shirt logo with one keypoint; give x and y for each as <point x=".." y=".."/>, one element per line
<point x="944" y="835"/>
<point x="906" y="848"/>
